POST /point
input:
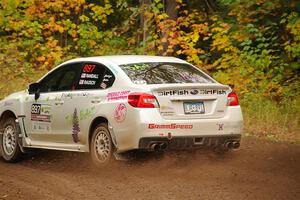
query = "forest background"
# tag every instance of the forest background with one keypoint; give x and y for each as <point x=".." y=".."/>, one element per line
<point x="253" y="46"/>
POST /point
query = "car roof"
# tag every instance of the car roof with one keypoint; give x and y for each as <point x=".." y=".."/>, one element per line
<point x="128" y="59"/>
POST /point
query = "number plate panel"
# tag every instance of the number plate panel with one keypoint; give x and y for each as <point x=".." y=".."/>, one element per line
<point x="193" y="107"/>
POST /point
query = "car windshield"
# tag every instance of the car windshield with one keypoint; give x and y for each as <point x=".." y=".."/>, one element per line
<point x="159" y="73"/>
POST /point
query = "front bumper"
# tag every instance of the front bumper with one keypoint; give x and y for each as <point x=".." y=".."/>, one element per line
<point x="187" y="142"/>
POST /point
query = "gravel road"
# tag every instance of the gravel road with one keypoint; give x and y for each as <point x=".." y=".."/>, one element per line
<point x="258" y="170"/>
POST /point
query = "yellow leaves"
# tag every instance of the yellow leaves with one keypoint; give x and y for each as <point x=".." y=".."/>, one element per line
<point x="164" y="40"/>
<point x="51" y="43"/>
<point x="84" y="18"/>
<point x="59" y="28"/>
<point x="160" y="47"/>
<point x="100" y="13"/>
<point x="41" y="58"/>
<point x="214" y="18"/>
<point x="92" y="43"/>
<point x="73" y="33"/>
<point x="161" y="16"/>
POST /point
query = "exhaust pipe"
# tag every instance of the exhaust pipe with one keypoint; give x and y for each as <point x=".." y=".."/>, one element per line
<point x="163" y="146"/>
<point x="228" y="145"/>
<point x="236" y="145"/>
<point x="154" y="146"/>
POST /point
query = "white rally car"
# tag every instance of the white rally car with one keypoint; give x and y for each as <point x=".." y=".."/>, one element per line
<point x="107" y="105"/>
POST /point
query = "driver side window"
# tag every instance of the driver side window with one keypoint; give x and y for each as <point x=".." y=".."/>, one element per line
<point x="62" y="79"/>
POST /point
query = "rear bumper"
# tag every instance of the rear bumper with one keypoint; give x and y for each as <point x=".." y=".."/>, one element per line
<point x="146" y="126"/>
<point x="192" y="142"/>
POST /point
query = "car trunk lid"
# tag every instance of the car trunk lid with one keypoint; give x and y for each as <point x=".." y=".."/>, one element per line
<point x="191" y="101"/>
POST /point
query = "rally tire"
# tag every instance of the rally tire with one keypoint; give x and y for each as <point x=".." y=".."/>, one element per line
<point x="101" y="147"/>
<point x="10" y="149"/>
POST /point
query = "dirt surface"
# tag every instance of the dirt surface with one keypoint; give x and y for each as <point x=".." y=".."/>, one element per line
<point x="259" y="170"/>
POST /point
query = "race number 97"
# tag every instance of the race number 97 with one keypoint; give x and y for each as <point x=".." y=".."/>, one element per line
<point x="36" y="109"/>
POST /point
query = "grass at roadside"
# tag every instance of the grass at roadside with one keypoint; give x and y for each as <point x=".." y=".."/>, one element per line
<point x="268" y="119"/>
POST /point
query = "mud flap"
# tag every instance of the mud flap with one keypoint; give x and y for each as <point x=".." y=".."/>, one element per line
<point x="112" y="134"/>
<point x="23" y="139"/>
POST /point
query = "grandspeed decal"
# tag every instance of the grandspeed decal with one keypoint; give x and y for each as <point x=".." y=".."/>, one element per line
<point x="191" y="92"/>
<point x="170" y="126"/>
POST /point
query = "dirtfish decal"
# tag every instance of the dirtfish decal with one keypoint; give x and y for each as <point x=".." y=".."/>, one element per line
<point x="191" y="92"/>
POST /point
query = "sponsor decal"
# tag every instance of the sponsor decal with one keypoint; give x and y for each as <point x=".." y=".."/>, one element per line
<point x="75" y="128"/>
<point x="71" y="95"/>
<point x="166" y="110"/>
<point x="107" y="77"/>
<point x="106" y="80"/>
<point x="86" y="82"/>
<point x="85" y="113"/>
<point x="41" y="126"/>
<point x="112" y="96"/>
<point x="170" y="126"/>
<point x="103" y="85"/>
<point x="8" y="103"/>
<point x="40" y="112"/>
<point x="41" y="117"/>
<point x="194" y="92"/>
<point x="92" y="76"/>
<point x="220" y="126"/>
<point x="191" y="92"/>
<point x="173" y="92"/>
<point x="120" y="113"/>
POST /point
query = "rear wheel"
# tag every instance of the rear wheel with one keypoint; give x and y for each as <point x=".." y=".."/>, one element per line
<point x="101" y="146"/>
<point x="10" y="148"/>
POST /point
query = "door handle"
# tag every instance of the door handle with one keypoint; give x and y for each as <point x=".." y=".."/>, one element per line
<point x="59" y="103"/>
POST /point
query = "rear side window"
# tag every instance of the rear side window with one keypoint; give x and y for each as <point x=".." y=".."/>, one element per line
<point x="94" y="76"/>
<point x="159" y="73"/>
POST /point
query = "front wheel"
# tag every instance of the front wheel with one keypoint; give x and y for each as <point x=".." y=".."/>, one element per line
<point x="101" y="146"/>
<point x="10" y="148"/>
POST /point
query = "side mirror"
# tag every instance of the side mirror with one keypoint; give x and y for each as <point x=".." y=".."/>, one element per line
<point x="34" y="88"/>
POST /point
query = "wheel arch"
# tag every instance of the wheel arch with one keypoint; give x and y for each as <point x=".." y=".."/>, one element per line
<point x="4" y="116"/>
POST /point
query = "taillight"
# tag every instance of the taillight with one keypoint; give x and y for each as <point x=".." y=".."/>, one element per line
<point x="232" y="99"/>
<point x="142" y="100"/>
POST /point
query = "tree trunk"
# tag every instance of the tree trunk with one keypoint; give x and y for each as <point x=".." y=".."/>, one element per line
<point x="144" y="26"/>
<point x="171" y="8"/>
